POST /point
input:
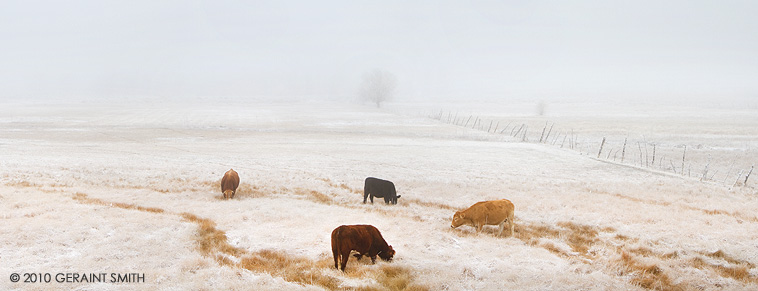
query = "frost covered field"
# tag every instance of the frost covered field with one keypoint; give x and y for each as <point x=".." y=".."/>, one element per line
<point x="131" y="188"/>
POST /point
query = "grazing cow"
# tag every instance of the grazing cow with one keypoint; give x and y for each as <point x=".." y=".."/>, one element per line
<point x="496" y="212"/>
<point x="374" y="187"/>
<point x="364" y="239"/>
<point x="229" y="184"/>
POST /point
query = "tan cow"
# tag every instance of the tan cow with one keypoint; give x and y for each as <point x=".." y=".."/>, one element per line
<point x="229" y="184"/>
<point x="496" y="212"/>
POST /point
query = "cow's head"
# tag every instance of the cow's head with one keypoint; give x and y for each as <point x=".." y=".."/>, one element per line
<point x="387" y="256"/>
<point x="228" y="194"/>
<point x="458" y="219"/>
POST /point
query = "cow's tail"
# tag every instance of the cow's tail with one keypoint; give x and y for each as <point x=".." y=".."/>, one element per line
<point x="335" y="247"/>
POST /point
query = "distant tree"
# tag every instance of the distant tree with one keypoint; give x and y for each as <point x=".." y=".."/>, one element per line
<point x="541" y="108"/>
<point x="378" y="86"/>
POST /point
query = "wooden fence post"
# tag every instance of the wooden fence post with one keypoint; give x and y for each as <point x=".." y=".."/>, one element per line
<point x="549" y="131"/>
<point x="748" y="174"/>
<point x="738" y="178"/>
<point x="543" y="132"/>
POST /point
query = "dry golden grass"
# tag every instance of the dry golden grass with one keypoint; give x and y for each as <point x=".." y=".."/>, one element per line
<point x="314" y="195"/>
<point x="722" y="255"/>
<point x="734" y="214"/>
<point x="429" y="204"/>
<point x="646" y="275"/>
<point x="670" y="255"/>
<point x="643" y="273"/>
<point x="247" y="191"/>
<point x="579" y="237"/>
<point x="23" y="183"/>
<point x="642" y="251"/>
<point x="51" y="187"/>
<point x="394" y="277"/>
<point x="608" y="229"/>
<point x="553" y="249"/>
<point x="740" y="272"/>
<point x="641" y="264"/>
<point x="311" y="272"/>
<point x="622" y="237"/>
<point x="320" y="197"/>
<point x="527" y="231"/>
<point x="348" y="188"/>
<point x="209" y="238"/>
<point x="213" y="242"/>
<point x="290" y="268"/>
<point x="341" y="186"/>
<point x="651" y="276"/>
<point x="83" y="198"/>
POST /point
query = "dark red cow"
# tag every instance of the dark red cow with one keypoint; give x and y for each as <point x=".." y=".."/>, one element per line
<point x="364" y="239"/>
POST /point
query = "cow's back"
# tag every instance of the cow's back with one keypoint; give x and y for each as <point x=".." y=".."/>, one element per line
<point x="490" y="212"/>
<point x="230" y="181"/>
<point x="364" y="239"/>
<point x="351" y="236"/>
<point x="379" y="187"/>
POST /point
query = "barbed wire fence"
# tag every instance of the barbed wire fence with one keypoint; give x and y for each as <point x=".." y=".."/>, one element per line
<point x="638" y="153"/>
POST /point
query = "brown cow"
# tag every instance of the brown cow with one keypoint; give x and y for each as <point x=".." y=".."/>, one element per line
<point x="496" y="212"/>
<point x="229" y="184"/>
<point x="364" y="239"/>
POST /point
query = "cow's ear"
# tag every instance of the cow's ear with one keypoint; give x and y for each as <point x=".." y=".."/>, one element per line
<point x="461" y="215"/>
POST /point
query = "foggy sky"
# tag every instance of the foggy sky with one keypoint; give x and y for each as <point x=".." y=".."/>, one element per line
<point x="437" y="49"/>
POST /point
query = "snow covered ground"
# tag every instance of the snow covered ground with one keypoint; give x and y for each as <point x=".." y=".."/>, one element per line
<point x="134" y="188"/>
<point x="713" y="142"/>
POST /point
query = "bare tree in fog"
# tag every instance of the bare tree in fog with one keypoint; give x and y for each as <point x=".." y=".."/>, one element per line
<point x="541" y="108"/>
<point x="378" y="86"/>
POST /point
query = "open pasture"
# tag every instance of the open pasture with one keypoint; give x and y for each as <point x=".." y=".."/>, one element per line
<point x="134" y="188"/>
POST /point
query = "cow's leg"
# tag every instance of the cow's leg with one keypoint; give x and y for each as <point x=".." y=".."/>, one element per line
<point x="335" y="254"/>
<point x="512" y="225"/>
<point x="373" y="259"/>
<point x="372" y="197"/>
<point x="365" y="195"/>
<point x="501" y="227"/>
<point x="345" y="257"/>
<point x="479" y="227"/>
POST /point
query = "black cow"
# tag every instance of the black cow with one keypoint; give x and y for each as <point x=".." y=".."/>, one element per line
<point x="374" y="187"/>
